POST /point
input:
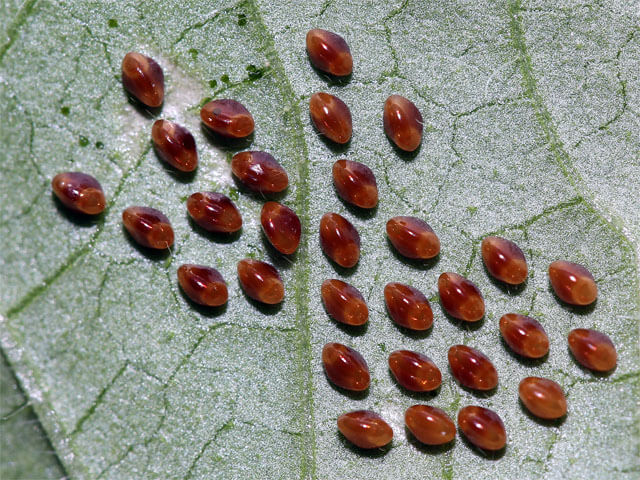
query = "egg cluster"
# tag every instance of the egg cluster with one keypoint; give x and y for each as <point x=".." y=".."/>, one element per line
<point x="355" y="183"/>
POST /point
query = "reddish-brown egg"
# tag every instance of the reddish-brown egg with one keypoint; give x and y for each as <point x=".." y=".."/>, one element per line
<point x="472" y="368"/>
<point x="355" y="183"/>
<point x="339" y="240"/>
<point x="329" y="52"/>
<point x="543" y="397"/>
<point x="413" y="238"/>
<point x="482" y="427"/>
<point x="79" y="192"/>
<point x="572" y="283"/>
<point x="148" y="226"/>
<point x="228" y="118"/>
<point x="260" y="281"/>
<point x="592" y="349"/>
<point x="524" y="335"/>
<point x="331" y="117"/>
<point x="402" y="123"/>
<point x="282" y="227"/>
<point x="407" y="306"/>
<point x="345" y="367"/>
<point x="414" y="371"/>
<point x="344" y="303"/>
<point x="214" y="212"/>
<point x="259" y="172"/>
<point x="365" y="429"/>
<point x="430" y="425"/>
<point x="504" y="260"/>
<point x="460" y="297"/>
<point x="203" y="285"/>
<point x="175" y="145"/>
<point x="142" y="77"/>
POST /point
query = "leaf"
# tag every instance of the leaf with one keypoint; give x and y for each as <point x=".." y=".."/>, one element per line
<point x="531" y="131"/>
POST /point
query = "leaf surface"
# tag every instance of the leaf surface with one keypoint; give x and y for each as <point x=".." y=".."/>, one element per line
<point x="532" y="114"/>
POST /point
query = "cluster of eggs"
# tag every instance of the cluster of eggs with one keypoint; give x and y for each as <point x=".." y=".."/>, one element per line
<point x="413" y="238"/>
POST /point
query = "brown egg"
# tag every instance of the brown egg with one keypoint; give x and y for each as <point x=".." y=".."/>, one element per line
<point x="408" y="307"/>
<point x="472" y="368"/>
<point x="214" y="212"/>
<point x="460" y="297"/>
<point x="413" y="238"/>
<point x="402" y="123"/>
<point x="344" y="303"/>
<point x="228" y="118"/>
<point x="504" y="260"/>
<point x="175" y="145"/>
<point x="281" y="226"/>
<point x="148" y="226"/>
<point x="524" y="335"/>
<point x="329" y="52"/>
<point x="260" y="281"/>
<point x="142" y="77"/>
<point x="430" y="425"/>
<point x="365" y="429"/>
<point x="259" y="171"/>
<point x="592" y="349"/>
<point x="203" y="285"/>
<point x="331" y="117"/>
<point x="482" y="427"/>
<point x="339" y="240"/>
<point x="572" y="283"/>
<point x="345" y="367"/>
<point x="79" y="192"/>
<point x="543" y="397"/>
<point x="414" y="371"/>
<point x="355" y="183"/>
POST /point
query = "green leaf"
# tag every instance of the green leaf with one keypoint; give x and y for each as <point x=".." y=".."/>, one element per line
<point x="532" y="114"/>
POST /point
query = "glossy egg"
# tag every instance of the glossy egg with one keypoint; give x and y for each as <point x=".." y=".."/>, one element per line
<point x="281" y="226"/>
<point x="260" y="281"/>
<point x="573" y="283"/>
<point x="355" y="183"/>
<point x="331" y="117"/>
<point x="592" y="349"/>
<point x="504" y="260"/>
<point x="259" y="171"/>
<point x="214" y="212"/>
<point x="203" y="285"/>
<point x="472" y="368"/>
<point x="460" y="297"/>
<point x="402" y="123"/>
<point x="344" y="303"/>
<point x="329" y="52"/>
<point x="228" y="118"/>
<point x="524" y="335"/>
<point x="430" y="425"/>
<point x="339" y="240"/>
<point x="345" y="367"/>
<point x="79" y="192"/>
<point x="149" y="227"/>
<point x="482" y="427"/>
<point x="142" y="77"/>
<point x="365" y="429"/>
<point x="413" y="238"/>
<point x="414" y="371"/>
<point x="543" y="397"/>
<point x="175" y="145"/>
<point x="408" y="306"/>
